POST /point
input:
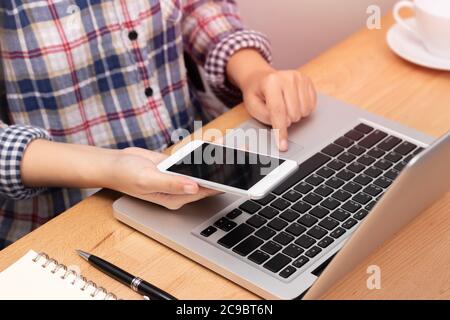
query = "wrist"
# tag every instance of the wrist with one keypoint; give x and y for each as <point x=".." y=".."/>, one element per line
<point x="246" y="65"/>
<point x="98" y="168"/>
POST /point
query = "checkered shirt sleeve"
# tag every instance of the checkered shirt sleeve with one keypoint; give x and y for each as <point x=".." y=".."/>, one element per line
<point x="13" y="142"/>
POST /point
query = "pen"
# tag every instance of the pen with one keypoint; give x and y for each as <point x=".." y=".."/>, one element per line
<point x="148" y="290"/>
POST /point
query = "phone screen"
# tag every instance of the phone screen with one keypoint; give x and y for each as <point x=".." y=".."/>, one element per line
<point x="226" y="166"/>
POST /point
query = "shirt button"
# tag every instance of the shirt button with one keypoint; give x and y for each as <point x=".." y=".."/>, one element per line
<point x="133" y="35"/>
<point x="149" y="92"/>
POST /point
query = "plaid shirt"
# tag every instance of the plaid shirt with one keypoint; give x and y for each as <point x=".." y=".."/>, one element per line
<point x="108" y="73"/>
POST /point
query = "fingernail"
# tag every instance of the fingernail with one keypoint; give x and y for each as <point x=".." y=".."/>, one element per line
<point x="190" y="189"/>
<point x="284" y="146"/>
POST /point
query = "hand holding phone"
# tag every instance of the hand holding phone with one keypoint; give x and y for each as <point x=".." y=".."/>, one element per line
<point x="228" y="170"/>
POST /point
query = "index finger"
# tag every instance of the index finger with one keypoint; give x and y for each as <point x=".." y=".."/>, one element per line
<point x="278" y="115"/>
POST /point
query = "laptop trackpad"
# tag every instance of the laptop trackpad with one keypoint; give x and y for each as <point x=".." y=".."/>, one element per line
<point x="258" y="138"/>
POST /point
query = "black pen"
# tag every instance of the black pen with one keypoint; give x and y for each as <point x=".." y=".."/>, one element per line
<point x="136" y="284"/>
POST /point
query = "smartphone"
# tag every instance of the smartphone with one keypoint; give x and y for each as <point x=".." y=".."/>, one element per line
<point x="229" y="170"/>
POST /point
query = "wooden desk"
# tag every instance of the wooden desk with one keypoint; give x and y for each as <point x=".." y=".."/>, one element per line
<point x="360" y="70"/>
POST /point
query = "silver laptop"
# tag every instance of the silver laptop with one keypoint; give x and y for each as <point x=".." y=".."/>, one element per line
<point x="361" y="178"/>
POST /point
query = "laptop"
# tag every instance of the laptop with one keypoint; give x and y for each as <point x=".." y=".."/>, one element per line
<point x="360" y="179"/>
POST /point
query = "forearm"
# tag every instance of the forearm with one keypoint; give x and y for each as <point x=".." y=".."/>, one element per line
<point x="51" y="164"/>
<point x="244" y="64"/>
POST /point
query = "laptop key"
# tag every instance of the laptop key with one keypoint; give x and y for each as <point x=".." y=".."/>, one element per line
<point x="301" y="207"/>
<point x="346" y="157"/>
<point x="351" y="206"/>
<point x="389" y="143"/>
<point x="350" y="223"/>
<point x="341" y="195"/>
<point x="374" y="138"/>
<point x="248" y="246"/>
<point x="325" y="242"/>
<point x="383" y="182"/>
<point x="314" y="251"/>
<point x="280" y="204"/>
<point x="376" y="153"/>
<point x="283" y="238"/>
<point x="303" y="187"/>
<point x="225" y="224"/>
<point x="340" y="215"/>
<point x="303" y="170"/>
<point x="335" y="183"/>
<point x="356" y="167"/>
<point x="392" y="174"/>
<point x="344" y="142"/>
<point x="361" y="214"/>
<point x="315" y="180"/>
<point x="357" y="150"/>
<point x="307" y="220"/>
<point x="333" y="150"/>
<point x="373" y="172"/>
<point x="363" y="128"/>
<point x="371" y="205"/>
<point x="293" y="251"/>
<point x="265" y="233"/>
<point x="271" y="247"/>
<point x="208" y="232"/>
<point x="373" y="190"/>
<point x="352" y="187"/>
<point x="383" y="164"/>
<point x="292" y="196"/>
<point x="319" y="212"/>
<point x="256" y="221"/>
<point x="329" y="223"/>
<point x="305" y="241"/>
<point x="269" y="213"/>
<point x="258" y="257"/>
<point x="250" y="207"/>
<point x="362" y="198"/>
<point x="363" y="179"/>
<point x="325" y="172"/>
<point x="289" y="215"/>
<point x="266" y="200"/>
<point x="354" y="135"/>
<point x="337" y="233"/>
<point x="236" y="235"/>
<point x="300" y="262"/>
<point x="296" y="229"/>
<point x="393" y="157"/>
<point x="366" y="160"/>
<point x="330" y="203"/>
<point x="313" y="199"/>
<point x="234" y="214"/>
<point x="336" y="165"/>
<point x="405" y="148"/>
<point x="345" y="175"/>
<point x="287" y="272"/>
<point x="317" y="232"/>
<point x="323" y="191"/>
<point x="277" y="224"/>
<point x="277" y="263"/>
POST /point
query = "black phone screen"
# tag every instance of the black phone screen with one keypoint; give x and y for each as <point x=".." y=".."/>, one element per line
<point x="226" y="166"/>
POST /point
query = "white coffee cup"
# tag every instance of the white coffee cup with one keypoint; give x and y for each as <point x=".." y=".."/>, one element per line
<point x="432" y="24"/>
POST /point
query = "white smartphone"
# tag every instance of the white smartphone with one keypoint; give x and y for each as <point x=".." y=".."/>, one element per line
<point x="229" y="170"/>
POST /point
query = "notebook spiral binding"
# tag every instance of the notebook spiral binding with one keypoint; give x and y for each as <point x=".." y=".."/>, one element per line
<point x="76" y="277"/>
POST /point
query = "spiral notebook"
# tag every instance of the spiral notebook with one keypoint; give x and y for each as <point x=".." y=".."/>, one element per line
<point x="39" y="277"/>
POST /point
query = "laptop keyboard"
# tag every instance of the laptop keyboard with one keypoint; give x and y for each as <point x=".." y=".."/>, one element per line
<point x="324" y="199"/>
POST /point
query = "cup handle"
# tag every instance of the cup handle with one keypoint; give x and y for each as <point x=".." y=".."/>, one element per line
<point x="400" y="5"/>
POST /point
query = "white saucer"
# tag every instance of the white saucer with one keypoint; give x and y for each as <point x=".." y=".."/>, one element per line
<point x="410" y="48"/>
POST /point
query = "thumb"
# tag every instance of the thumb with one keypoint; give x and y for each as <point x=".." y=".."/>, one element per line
<point x="171" y="184"/>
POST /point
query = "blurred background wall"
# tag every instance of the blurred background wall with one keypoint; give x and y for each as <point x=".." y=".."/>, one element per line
<point x="301" y="29"/>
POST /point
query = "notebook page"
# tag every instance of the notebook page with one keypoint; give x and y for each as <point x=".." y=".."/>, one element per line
<point x="28" y="280"/>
